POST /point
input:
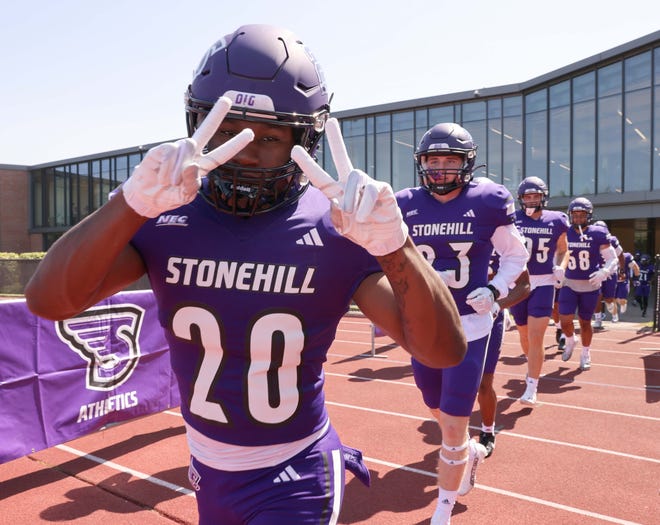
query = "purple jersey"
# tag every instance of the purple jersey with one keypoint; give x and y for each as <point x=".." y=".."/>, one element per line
<point x="456" y="235"/>
<point x="626" y="272"/>
<point x="541" y="237"/>
<point x="250" y="307"/>
<point x="584" y="248"/>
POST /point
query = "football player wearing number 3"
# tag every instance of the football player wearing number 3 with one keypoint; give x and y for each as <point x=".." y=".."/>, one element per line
<point x="456" y="222"/>
<point x="254" y="276"/>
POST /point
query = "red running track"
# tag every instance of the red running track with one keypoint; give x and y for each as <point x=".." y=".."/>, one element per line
<point x="586" y="454"/>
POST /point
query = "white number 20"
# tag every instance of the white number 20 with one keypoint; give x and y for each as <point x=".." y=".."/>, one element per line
<point x="272" y="380"/>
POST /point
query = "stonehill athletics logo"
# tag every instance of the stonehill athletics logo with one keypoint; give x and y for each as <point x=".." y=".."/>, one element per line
<point x="107" y="339"/>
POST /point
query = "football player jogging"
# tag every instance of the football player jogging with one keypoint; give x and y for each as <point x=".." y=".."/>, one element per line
<point x="486" y="396"/>
<point x="544" y="232"/>
<point x="589" y="246"/>
<point x="627" y="272"/>
<point x="250" y="292"/>
<point x="642" y="284"/>
<point x="608" y="288"/>
<point x="456" y="222"/>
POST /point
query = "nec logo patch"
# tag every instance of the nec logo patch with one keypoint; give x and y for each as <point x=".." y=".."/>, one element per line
<point x="172" y="220"/>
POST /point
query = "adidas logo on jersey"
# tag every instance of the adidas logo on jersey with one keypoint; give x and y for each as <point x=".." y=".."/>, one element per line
<point x="469" y="213"/>
<point x="288" y="474"/>
<point x="311" y="238"/>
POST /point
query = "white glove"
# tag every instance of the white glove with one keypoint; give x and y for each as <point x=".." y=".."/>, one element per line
<point x="558" y="272"/>
<point x="363" y="209"/>
<point x="170" y="174"/>
<point x="495" y="309"/>
<point x="481" y="300"/>
<point x="596" y="278"/>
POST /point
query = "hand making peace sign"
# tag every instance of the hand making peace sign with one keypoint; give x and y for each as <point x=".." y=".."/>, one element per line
<point x="363" y="209"/>
<point x="170" y="174"/>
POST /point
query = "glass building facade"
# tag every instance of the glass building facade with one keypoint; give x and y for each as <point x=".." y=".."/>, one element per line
<point x="589" y="129"/>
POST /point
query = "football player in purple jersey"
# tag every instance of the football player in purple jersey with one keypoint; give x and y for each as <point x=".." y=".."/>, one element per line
<point x="486" y="396"/>
<point x="456" y="222"/>
<point x="544" y="232"/>
<point x="608" y="288"/>
<point x="592" y="260"/>
<point x="642" y="284"/>
<point x="627" y="272"/>
<point x="253" y="269"/>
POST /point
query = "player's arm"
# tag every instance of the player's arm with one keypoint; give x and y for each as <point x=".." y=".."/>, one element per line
<point x="408" y="300"/>
<point x="518" y="293"/>
<point x="88" y="263"/>
<point x="94" y="258"/>
<point x="412" y="304"/>
<point x="510" y="246"/>
<point x="561" y="251"/>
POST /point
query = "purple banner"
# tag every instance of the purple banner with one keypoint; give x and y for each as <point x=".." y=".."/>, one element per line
<point x="62" y="380"/>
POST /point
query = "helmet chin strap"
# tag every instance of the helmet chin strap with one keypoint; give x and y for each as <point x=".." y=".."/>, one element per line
<point x="531" y="211"/>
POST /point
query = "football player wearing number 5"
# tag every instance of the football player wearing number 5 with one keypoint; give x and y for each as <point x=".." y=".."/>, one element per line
<point x="456" y="222"/>
<point x="544" y="232"/>
<point x="253" y="282"/>
<point x="588" y="246"/>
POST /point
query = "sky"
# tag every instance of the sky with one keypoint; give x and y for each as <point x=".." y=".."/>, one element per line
<point x="79" y="77"/>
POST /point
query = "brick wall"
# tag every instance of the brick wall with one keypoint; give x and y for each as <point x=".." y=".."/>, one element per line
<point x="14" y="221"/>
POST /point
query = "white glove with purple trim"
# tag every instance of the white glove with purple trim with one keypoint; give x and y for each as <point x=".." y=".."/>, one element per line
<point x="363" y="209"/>
<point x="558" y="272"/>
<point x="481" y="300"/>
<point x="596" y="278"/>
<point x="170" y="174"/>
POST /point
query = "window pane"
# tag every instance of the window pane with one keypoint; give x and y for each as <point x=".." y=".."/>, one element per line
<point x="609" y="144"/>
<point x="536" y="135"/>
<point x="638" y="71"/>
<point x="584" y="87"/>
<point x="512" y="152"/>
<point x="560" y="154"/>
<point x="560" y="95"/>
<point x="441" y="114"/>
<point x="609" y="80"/>
<point x="403" y="167"/>
<point x="656" y="146"/>
<point x="584" y="143"/>
<point x="637" y="141"/>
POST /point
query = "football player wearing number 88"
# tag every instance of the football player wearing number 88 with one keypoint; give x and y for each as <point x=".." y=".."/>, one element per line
<point x="456" y="222"/>
<point x="588" y="246"/>
<point x="252" y="284"/>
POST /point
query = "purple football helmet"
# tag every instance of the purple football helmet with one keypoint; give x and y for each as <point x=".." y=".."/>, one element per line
<point x="446" y="139"/>
<point x="532" y="185"/>
<point x="580" y="204"/>
<point x="272" y="78"/>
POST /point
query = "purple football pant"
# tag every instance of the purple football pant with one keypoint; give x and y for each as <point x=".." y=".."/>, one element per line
<point x="453" y="390"/>
<point x="537" y="304"/>
<point x="305" y="489"/>
<point x="608" y="287"/>
<point x="622" y="290"/>
<point x="584" y="302"/>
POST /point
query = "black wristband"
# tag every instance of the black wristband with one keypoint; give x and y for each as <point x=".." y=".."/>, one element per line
<point x="496" y="292"/>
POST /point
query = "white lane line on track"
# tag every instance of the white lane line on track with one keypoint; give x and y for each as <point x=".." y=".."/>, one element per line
<point x="506" y="433"/>
<point x="115" y="466"/>
<point x="508" y="493"/>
